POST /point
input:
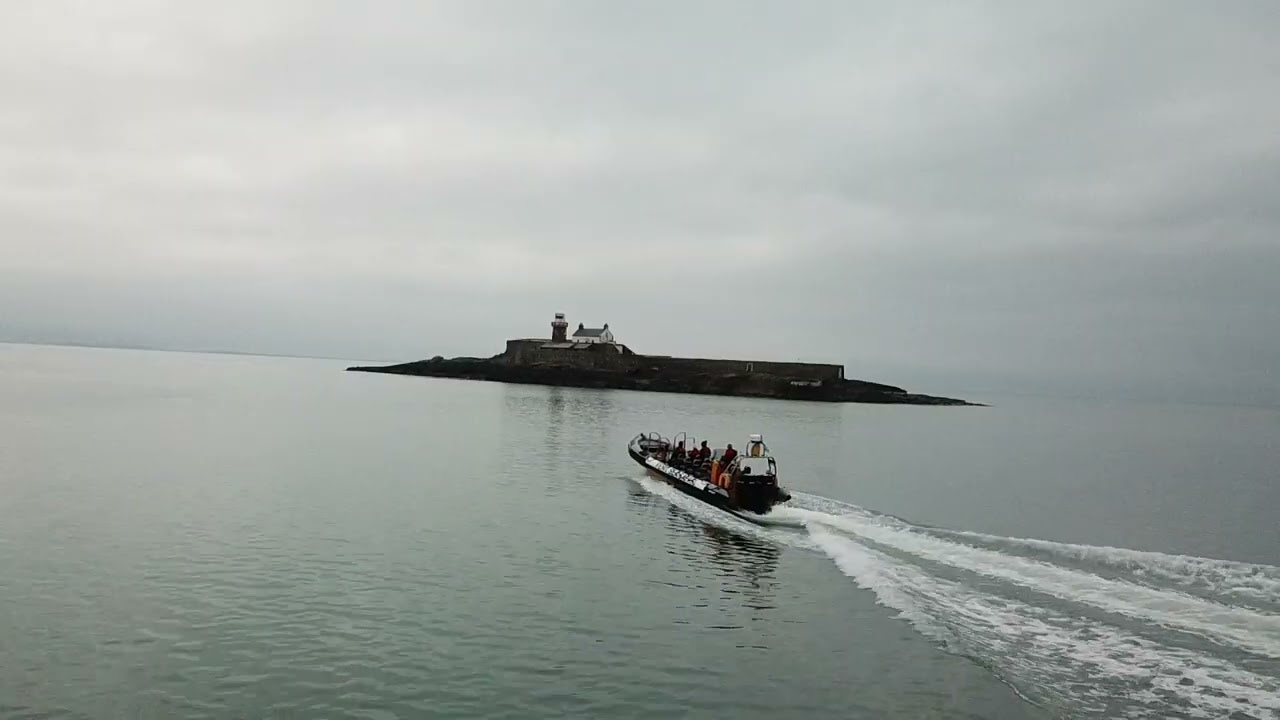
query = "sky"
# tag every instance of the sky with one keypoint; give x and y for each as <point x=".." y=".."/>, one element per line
<point x="1034" y="196"/>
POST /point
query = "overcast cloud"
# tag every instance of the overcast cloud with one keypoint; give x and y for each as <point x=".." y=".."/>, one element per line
<point x="1007" y="194"/>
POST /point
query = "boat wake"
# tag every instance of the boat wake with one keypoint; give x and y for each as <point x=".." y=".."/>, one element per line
<point x="1082" y="630"/>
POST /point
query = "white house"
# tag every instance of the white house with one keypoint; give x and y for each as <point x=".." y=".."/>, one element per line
<point x="592" y="335"/>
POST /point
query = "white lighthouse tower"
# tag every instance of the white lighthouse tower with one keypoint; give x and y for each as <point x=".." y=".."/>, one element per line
<point x="559" y="329"/>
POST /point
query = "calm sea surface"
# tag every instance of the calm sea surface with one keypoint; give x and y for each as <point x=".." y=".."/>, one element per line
<point x="187" y="535"/>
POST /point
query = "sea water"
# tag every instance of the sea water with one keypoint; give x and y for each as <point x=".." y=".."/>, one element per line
<point x="186" y="535"/>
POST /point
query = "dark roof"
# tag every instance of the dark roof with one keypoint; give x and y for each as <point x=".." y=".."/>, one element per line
<point x="588" y="332"/>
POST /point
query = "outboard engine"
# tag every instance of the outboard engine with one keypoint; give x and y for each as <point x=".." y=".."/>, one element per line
<point x="756" y="482"/>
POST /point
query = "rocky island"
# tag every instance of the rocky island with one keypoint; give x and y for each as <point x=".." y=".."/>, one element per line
<point x="591" y="358"/>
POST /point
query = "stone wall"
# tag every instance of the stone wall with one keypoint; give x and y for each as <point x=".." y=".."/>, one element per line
<point x="799" y="371"/>
<point x="522" y="352"/>
<point x="530" y="352"/>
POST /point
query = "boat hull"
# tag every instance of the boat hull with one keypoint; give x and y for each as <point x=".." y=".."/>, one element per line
<point x="693" y="486"/>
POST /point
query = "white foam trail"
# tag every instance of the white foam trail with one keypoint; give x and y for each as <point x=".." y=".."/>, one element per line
<point x="1224" y="577"/>
<point x="1072" y="663"/>
<point x="1242" y="628"/>
<point x="1231" y="579"/>
<point x="1079" y="665"/>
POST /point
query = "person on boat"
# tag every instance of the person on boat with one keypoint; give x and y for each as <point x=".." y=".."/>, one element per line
<point x="677" y="455"/>
<point x="728" y="456"/>
<point x="704" y="452"/>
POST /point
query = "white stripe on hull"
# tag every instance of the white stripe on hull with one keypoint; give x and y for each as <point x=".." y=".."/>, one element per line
<point x="683" y="476"/>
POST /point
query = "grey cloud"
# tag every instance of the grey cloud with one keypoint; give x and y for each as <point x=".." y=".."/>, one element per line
<point x="916" y="190"/>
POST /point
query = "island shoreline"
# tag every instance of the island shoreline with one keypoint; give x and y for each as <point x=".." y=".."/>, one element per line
<point x="750" y="385"/>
